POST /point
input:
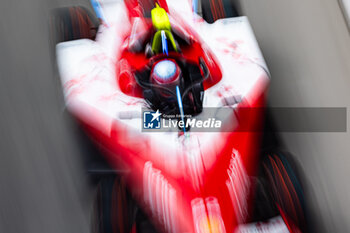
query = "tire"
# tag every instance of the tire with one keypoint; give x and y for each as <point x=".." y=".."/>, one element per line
<point x="72" y="23"/>
<point x="114" y="210"/>
<point x="281" y="189"/>
<point x="213" y="10"/>
<point x="144" y="224"/>
<point x="66" y="24"/>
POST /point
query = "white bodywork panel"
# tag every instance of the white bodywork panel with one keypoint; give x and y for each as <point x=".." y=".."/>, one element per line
<point x="87" y="70"/>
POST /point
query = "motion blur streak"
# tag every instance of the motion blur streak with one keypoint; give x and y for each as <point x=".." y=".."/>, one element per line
<point x="207" y="220"/>
<point x="160" y="196"/>
<point x="310" y="72"/>
<point x="200" y="217"/>
<point x="238" y="185"/>
<point x="43" y="187"/>
<point x="215" y="219"/>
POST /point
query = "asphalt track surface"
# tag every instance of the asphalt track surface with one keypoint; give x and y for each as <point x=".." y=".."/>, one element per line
<point x="43" y="185"/>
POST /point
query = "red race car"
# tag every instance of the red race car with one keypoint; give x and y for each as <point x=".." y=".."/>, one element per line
<point x="176" y="105"/>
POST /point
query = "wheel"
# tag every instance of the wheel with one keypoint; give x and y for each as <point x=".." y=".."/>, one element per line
<point x="114" y="209"/>
<point x="72" y="23"/>
<point x="213" y="10"/>
<point x="279" y="191"/>
<point x="144" y="224"/>
<point x="65" y="24"/>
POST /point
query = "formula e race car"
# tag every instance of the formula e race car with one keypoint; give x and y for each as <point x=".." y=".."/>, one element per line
<point x="173" y="95"/>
